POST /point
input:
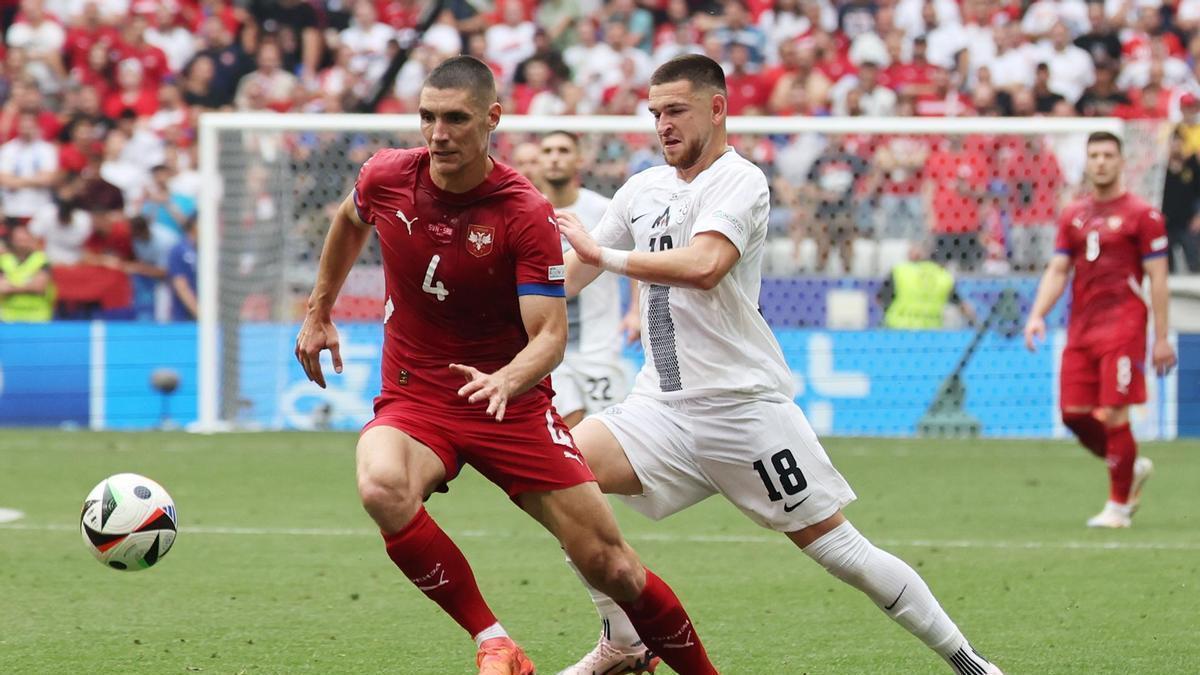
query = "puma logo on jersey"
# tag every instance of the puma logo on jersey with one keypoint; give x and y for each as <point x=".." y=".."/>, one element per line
<point x="1114" y="222"/>
<point x="574" y="456"/>
<point x="428" y="583"/>
<point x="407" y="223"/>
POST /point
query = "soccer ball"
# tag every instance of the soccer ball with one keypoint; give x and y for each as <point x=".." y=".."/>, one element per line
<point x="128" y="522"/>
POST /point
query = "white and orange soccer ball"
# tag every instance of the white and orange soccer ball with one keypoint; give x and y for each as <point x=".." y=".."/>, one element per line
<point x="128" y="522"/>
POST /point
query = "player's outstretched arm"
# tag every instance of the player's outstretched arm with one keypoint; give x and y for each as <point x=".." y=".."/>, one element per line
<point x="1163" y="354"/>
<point x="579" y="275"/>
<point x="344" y="241"/>
<point x="702" y="264"/>
<point x="545" y="320"/>
<point x="1050" y="289"/>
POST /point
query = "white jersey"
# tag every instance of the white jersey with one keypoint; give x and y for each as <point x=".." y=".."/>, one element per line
<point x="697" y="342"/>
<point x="594" y="316"/>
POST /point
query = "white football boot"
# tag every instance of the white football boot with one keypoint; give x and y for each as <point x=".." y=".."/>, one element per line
<point x="1113" y="516"/>
<point x="609" y="659"/>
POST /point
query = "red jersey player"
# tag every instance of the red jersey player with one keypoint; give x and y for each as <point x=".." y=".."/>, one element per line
<point x="474" y="275"/>
<point x="1111" y="239"/>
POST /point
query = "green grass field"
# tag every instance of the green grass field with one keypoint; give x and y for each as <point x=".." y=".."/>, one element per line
<point x="277" y="569"/>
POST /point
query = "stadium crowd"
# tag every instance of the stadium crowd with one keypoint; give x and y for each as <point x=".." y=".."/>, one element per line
<point x="100" y="100"/>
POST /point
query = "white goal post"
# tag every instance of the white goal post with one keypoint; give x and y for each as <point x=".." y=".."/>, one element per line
<point x="231" y="146"/>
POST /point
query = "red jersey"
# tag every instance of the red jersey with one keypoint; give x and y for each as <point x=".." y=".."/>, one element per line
<point x="454" y="267"/>
<point x="958" y="177"/>
<point x="1107" y="243"/>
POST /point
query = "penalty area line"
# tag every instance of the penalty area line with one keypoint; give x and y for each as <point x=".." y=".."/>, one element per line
<point x="664" y="538"/>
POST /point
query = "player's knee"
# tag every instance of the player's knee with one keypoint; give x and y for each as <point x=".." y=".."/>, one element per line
<point x="613" y="569"/>
<point x="844" y="553"/>
<point x="389" y="502"/>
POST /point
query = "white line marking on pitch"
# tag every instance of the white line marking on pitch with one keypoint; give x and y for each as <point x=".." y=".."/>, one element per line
<point x="9" y="515"/>
<point x="667" y="538"/>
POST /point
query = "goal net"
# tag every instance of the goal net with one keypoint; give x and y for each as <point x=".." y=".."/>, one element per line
<point x="851" y="199"/>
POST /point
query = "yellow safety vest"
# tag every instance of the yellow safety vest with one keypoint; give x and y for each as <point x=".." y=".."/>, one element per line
<point x="25" y="307"/>
<point x="921" y="292"/>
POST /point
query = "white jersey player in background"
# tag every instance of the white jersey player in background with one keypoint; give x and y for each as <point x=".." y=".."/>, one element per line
<point x="713" y="410"/>
<point x="592" y="375"/>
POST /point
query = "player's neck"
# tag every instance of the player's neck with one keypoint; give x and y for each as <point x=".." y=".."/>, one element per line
<point x="1108" y="192"/>
<point x="711" y="154"/>
<point x="465" y="180"/>
<point x="564" y="196"/>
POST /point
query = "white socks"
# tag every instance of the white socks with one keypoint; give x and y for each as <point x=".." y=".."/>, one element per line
<point x="617" y="628"/>
<point x="493" y="631"/>
<point x="898" y="590"/>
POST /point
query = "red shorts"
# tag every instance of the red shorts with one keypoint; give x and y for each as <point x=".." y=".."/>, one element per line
<point x="527" y="452"/>
<point x="1103" y="376"/>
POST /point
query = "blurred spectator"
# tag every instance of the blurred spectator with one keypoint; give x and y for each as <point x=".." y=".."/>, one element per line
<point x="900" y="160"/>
<point x="1136" y="41"/>
<point x="181" y="275"/>
<point x="1044" y="97"/>
<point x="173" y="120"/>
<point x="735" y="28"/>
<point x="782" y="22"/>
<point x="133" y="92"/>
<point x="133" y="45"/>
<point x="639" y="24"/>
<point x="1032" y="183"/>
<point x="81" y="144"/>
<point x="1041" y="16"/>
<point x="748" y="91"/>
<point x="915" y="294"/>
<point x="560" y="19"/>
<point x="198" y="85"/>
<point x="943" y="98"/>
<point x="39" y="35"/>
<point x="1103" y="97"/>
<point x="538" y="80"/>
<point x="833" y="181"/>
<point x="86" y="31"/>
<point x="526" y="158"/>
<point x="26" y="289"/>
<point x="1014" y="62"/>
<point x="1071" y="68"/>
<point x="368" y="40"/>
<point x="163" y="206"/>
<point x="171" y="38"/>
<point x="944" y="41"/>
<point x="910" y="14"/>
<point x="799" y="87"/>
<point x="152" y="245"/>
<point x="28" y="170"/>
<point x="874" y="99"/>
<point x="1101" y="41"/>
<point x="547" y="53"/>
<point x="26" y="99"/>
<point x="956" y="177"/>
<point x="230" y="61"/>
<point x="119" y="170"/>
<point x="63" y="227"/>
<point x="292" y="26"/>
<point x="510" y="42"/>
<point x="913" y="76"/>
<point x="1180" y="194"/>
<point x="267" y="87"/>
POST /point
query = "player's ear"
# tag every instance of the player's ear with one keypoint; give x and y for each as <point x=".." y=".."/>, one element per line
<point x="493" y="115"/>
<point x="719" y="107"/>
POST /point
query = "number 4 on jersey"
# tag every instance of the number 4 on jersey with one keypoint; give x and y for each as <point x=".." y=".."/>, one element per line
<point x="428" y="286"/>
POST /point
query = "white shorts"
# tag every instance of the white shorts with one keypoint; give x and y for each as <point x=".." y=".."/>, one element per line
<point x="762" y="455"/>
<point x="587" y="385"/>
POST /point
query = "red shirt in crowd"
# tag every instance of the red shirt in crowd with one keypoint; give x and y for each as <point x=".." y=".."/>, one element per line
<point x="747" y="90"/>
<point x="958" y="176"/>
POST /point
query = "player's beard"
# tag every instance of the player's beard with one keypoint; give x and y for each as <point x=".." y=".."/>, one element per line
<point x="689" y="155"/>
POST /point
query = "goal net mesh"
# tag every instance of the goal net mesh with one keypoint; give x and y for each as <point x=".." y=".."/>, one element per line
<point x="847" y="206"/>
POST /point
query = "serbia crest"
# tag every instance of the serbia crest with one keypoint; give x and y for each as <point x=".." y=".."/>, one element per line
<point x="479" y="240"/>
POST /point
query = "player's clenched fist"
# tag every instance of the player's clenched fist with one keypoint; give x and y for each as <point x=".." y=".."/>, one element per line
<point x="317" y="335"/>
<point x="585" y="246"/>
<point x="493" y="387"/>
<point x="1163" y="356"/>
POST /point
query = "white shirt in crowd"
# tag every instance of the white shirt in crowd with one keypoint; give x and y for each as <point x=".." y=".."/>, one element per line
<point x="1071" y="70"/>
<point x="63" y="241"/>
<point x="26" y="159"/>
<point x="369" y="45"/>
<point x="698" y="342"/>
<point x="508" y="45"/>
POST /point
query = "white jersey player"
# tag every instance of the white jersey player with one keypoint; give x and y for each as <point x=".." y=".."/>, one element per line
<point x="712" y="411"/>
<point x="592" y="375"/>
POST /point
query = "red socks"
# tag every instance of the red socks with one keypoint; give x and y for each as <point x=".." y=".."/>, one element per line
<point x="1089" y="430"/>
<point x="1122" y="451"/>
<point x="435" y="565"/>
<point x="664" y="626"/>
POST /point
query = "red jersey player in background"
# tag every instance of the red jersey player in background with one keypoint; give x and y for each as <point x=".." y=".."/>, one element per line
<point x="474" y="275"/>
<point x="1111" y="239"/>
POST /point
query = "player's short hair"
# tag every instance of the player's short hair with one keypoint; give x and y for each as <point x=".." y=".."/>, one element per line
<point x="1104" y="137"/>
<point x="697" y="69"/>
<point x="465" y="72"/>
<point x="563" y="132"/>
